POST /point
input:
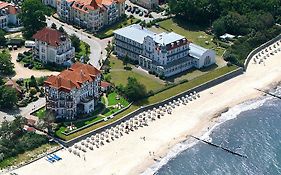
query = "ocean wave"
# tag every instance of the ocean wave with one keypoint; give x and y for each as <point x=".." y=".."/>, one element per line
<point x="232" y="113"/>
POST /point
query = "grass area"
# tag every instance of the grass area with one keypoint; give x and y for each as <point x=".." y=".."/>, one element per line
<point x="194" y="34"/>
<point x="158" y="97"/>
<point x="120" y="76"/>
<point x="97" y="115"/>
<point x="41" y="113"/>
<point x="27" y="156"/>
<point x="108" y="31"/>
<point x="112" y="100"/>
<point x="83" y="51"/>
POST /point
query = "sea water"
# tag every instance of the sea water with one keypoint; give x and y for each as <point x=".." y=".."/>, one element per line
<point x="252" y="128"/>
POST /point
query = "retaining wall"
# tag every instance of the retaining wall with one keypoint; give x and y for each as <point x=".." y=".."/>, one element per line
<point x="258" y="49"/>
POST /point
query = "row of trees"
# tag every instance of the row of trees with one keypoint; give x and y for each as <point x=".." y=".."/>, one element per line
<point x="14" y="140"/>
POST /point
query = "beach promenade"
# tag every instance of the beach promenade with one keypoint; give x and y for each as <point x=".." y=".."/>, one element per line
<point x="134" y="152"/>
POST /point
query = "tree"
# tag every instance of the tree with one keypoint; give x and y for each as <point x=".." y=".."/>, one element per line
<point x="48" y="121"/>
<point x="75" y="42"/>
<point x="219" y="27"/>
<point x="33" y="82"/>
<point x="32" y="17"/>
<point x="126" y="60"/>
<point x="6" y="65"/>
<point x="8" y="97"/>
<point x="134" y="90"/>
<point x="54" y="26"/>
<point x="2" y="38"/>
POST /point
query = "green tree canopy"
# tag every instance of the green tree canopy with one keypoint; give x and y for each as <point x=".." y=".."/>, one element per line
<point x="33" y="17"/>
<point x="8" y="97"/>
<point x="134" y="90"/>
<point x="6" y="65"/>
<point x="2" y="38"/>
<point x="75" y="42"/>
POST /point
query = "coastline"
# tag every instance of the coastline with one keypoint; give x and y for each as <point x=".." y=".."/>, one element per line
<point x="130" y="154"/>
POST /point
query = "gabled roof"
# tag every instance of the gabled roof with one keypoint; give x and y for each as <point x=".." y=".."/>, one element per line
<point x="12" y="84"/>
<point x="85" y="5"/>
<point x="73" y="77"/>
<point x="11" y="8"/>
<point x="196" y="51"/>
<point x="51" y="36"/>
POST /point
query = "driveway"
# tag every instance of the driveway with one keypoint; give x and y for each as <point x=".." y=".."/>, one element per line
<point x="97" y="45"/>
<point x="23" y="72"/>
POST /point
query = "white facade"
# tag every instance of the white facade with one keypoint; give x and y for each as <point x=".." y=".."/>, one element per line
<point x="90" y="16"/>
<point x="166" y="54"/>
<point x="51" y="46"/>
<point x="8" y="15"/>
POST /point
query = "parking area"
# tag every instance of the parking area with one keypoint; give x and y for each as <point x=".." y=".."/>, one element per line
<point x="142" y="13"/>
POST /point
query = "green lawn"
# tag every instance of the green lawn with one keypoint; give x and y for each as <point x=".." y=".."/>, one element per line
<point x="108" y="31"/>
<point x="27" y="156"/>
<point x="84" y="50"/>
<point x="120" y="76"/>
<point x="194" y="34"/>
<point x="113" y="101"/>
<point x="41" y="113"/>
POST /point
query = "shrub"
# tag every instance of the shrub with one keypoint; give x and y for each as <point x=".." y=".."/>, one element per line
<point x="32" y="91"/>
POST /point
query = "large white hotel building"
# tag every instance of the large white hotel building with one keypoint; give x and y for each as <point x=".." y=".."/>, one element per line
<point x="166" y="54"/>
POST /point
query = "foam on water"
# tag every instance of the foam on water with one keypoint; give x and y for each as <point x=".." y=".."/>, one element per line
<point x="229" y="115"/>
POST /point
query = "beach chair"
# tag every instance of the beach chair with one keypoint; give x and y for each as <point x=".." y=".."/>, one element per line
<point x="56" y="157"/>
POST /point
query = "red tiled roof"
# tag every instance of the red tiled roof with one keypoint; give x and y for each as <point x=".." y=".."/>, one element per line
<point x="84" y="5"/>
<point x="49" y="35"/>
<point x="105" y="84"/>
<point x="4" y="4"/>
<point x="73" y="77"/>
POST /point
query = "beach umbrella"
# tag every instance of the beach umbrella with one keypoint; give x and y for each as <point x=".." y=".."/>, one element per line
<point x="91" y="147"/>
<point x="70" y="150"/>
<point x="75" y="146"/>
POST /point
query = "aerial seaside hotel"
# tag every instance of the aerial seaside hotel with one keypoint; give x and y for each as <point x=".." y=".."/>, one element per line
<point x="74" y="91"/>
<point x="166" y="54"/>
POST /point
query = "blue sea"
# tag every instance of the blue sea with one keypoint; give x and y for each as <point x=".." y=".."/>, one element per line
<point x="252" y="128"/>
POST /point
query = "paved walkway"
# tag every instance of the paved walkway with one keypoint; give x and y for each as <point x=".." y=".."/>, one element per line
<point x="23" y="72"/>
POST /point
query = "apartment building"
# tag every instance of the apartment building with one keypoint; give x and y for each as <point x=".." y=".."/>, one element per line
<point x="52" y="46"/>
<point x="166" y="54"/>
<point x="74" y="91"/>
<point x="8" y="15"/>
<point x="90" y="14"/>
<point x="52" y="3"/>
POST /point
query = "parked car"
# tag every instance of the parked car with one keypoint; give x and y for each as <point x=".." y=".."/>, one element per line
<point x="141" y="14"/>
<point x="30" y="66"/>
<point x="26" y="64"/>
<point x="129" y="9"/>
<point x="126" y="6"/>
<point x="133" y="10"/>
<point x="18" y="59"/>
<point x="157" y="25"/>
<point x="15" y="47"/>
<point x="146" y="15"/>
<point x="10" y="47"/>
<point x="138" y="11"/>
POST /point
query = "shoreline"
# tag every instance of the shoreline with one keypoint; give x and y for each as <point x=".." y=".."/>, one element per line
<point x="130" y="154"/>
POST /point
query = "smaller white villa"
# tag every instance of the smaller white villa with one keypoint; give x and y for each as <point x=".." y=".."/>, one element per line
<point x="52" y="46"/>
<point x="166" y="54"/>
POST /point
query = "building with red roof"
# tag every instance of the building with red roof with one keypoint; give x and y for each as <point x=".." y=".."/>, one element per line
<point x="8" y="14"/>
<point x="74" y="91"/>
<point x="91" y="14"/>
<point x="52" y="46"/>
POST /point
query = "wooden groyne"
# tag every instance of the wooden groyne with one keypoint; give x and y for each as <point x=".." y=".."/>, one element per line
<point x="218" y="146"/>
<point x="268" y="93"/>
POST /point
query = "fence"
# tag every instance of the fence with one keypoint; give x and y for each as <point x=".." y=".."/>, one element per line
<point x="199" y="88"/>
<point x="258" y="49"/>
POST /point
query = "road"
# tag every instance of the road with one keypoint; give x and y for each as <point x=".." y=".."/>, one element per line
<point x="97" y="46"/>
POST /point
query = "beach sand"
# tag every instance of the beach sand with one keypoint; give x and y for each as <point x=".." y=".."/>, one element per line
<point x="130" y="154"/>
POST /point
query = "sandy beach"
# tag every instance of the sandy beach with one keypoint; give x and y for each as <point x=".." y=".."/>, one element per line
<point x="132" y="155"/>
